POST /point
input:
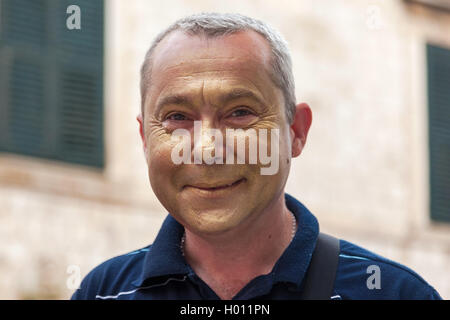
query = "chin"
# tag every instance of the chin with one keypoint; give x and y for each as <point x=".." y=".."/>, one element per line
<point x="213" y="221"/>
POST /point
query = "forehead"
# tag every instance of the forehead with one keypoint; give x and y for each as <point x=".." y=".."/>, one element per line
<point x="179" y="46"/>
<point x="240" y="57"/>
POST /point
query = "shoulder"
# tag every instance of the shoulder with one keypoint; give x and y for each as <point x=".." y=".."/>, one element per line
<point x="363" y="274"/>
<point x="113" y="275"/>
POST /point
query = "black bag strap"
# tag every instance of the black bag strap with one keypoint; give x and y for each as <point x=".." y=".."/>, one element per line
<point x="319" y="279"/>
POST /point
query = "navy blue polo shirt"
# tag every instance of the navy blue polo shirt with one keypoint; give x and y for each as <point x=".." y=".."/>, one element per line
<point x="159" y="271"/>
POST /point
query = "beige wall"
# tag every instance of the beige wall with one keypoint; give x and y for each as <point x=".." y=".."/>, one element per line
<point x="359" y="64"/>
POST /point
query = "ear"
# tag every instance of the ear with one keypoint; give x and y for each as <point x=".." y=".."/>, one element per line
<point x="300" y="127"/>
<point x="141" y="132"/>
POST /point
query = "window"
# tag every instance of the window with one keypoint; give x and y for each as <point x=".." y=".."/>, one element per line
<point x="51" y="81"/>
<point x="439" y="131"/>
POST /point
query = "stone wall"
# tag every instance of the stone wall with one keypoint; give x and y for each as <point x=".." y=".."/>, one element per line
<point x="364" y="172"/>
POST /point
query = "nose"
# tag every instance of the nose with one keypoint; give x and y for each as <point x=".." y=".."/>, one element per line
<point x="208" y="143"/>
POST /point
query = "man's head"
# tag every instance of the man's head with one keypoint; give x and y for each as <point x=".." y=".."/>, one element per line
<point x="213" y="25"/>
<point x="227" y="79"/>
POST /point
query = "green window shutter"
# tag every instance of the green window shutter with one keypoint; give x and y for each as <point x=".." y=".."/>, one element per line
<point x="51" y="81"/>
<point x="80" y="119"/>
<point x="25" y="121"/>
<point x="80" y="116"/>
<point x="439" y="131"/>
<point x="22" y="77"/>
<point x="23" y="22"/>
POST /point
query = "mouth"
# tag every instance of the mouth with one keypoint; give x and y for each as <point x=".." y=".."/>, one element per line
<point x="215" y="189"/>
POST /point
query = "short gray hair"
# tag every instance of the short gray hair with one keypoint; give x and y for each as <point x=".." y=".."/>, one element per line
<point x="218" y="24"/>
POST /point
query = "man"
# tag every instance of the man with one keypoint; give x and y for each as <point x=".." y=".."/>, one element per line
<point x="232" y="232"/>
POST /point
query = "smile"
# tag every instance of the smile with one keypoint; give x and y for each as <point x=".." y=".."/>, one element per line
<point x="208" y="189"/>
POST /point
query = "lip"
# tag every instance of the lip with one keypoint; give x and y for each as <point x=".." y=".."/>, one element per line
<point x="215" y="190"/>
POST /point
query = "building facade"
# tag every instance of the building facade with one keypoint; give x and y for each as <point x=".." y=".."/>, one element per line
<point x="364" y="67"/>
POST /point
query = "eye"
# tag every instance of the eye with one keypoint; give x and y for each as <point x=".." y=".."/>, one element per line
<point x="240" y="113"/>
<point x="176" y="117"/>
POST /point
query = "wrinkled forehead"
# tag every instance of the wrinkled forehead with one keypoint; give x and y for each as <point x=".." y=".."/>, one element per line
<point x="211" y="66"/>
<point x="243" y="51"/>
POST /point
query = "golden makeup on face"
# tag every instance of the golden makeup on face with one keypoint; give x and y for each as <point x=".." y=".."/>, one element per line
<point x="224" y="83"/>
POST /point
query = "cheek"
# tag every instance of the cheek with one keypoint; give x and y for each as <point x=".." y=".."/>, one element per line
<point x="285" y="152"/>
<point x="285" y="148"/>
<point x="280" y="160"/>
<point x="161" y="169"/>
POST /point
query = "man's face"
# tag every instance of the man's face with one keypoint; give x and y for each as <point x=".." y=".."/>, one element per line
<point x="192" y="78"/>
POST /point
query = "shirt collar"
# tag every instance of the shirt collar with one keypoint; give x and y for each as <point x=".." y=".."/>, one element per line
<point x="164" y="256"/>
<point x="165" y="259"/>
<point x="294" y="262"/>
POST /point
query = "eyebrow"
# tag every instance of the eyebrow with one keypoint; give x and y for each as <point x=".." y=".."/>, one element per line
<point x="237" y="93"/>
<point x="233" y="94"/>
<point x="177" y="99"/>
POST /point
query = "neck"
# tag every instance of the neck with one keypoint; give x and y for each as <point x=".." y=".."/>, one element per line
<point x="237" y="256"/>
